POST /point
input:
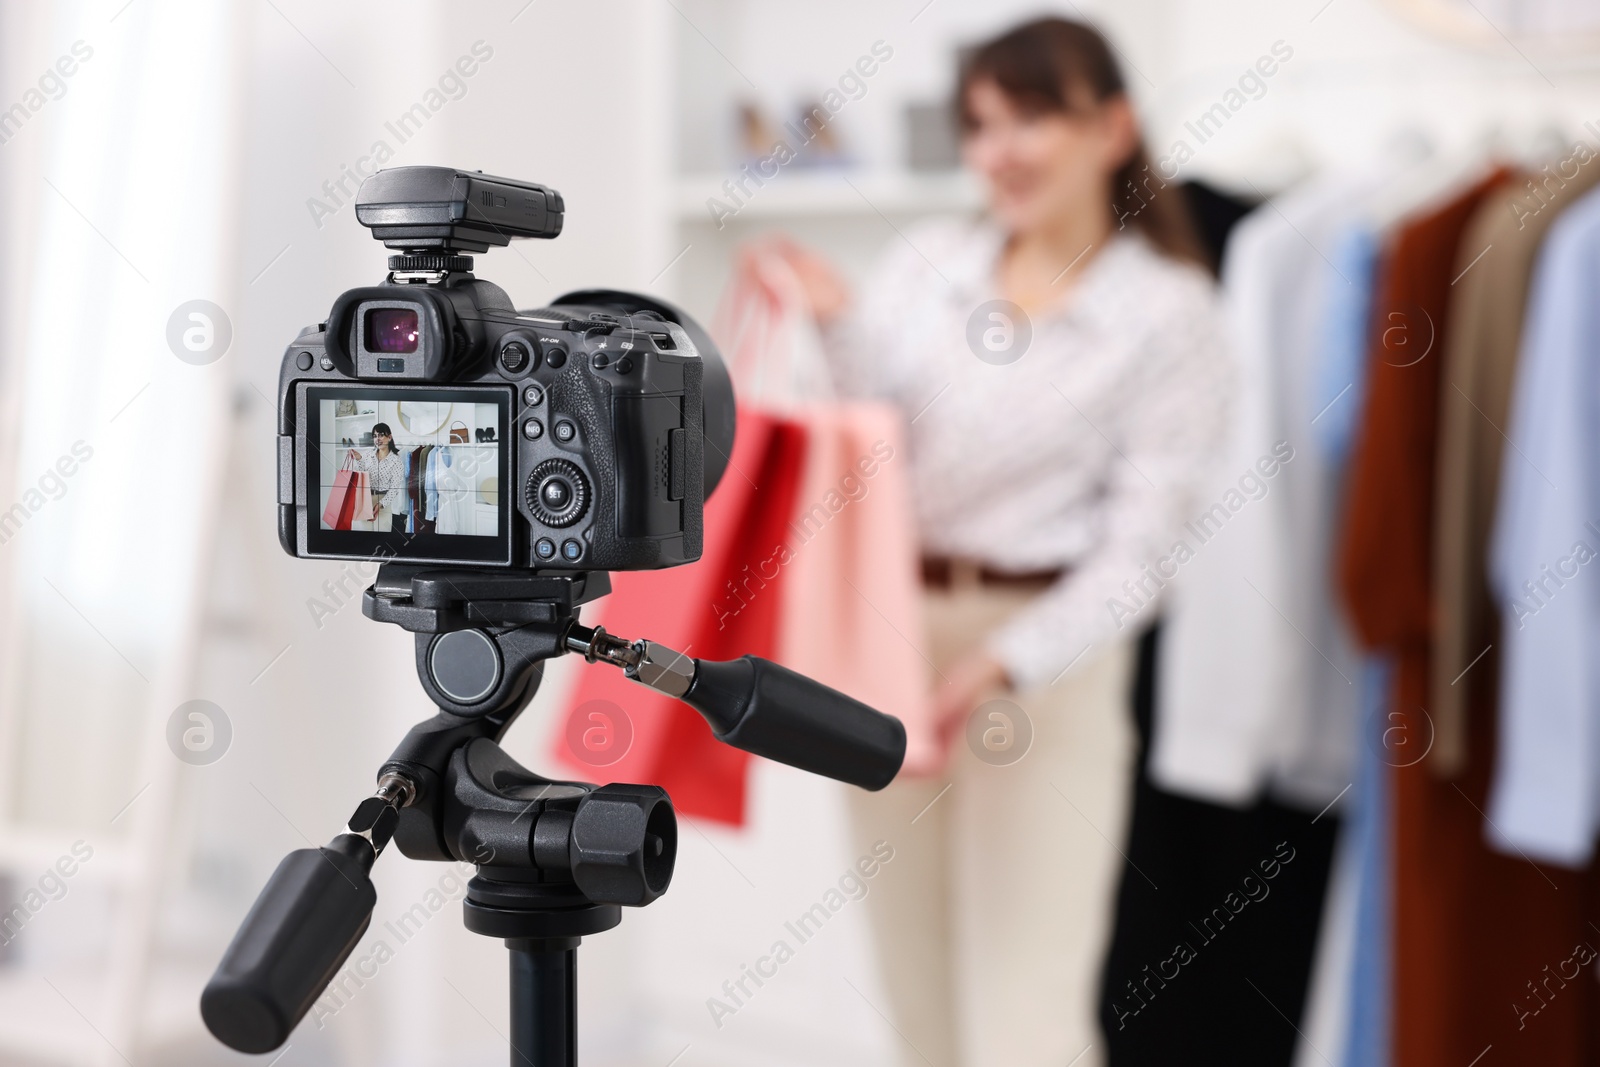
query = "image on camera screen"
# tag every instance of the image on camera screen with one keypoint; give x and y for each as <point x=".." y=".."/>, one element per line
<point x="408" y="466"/>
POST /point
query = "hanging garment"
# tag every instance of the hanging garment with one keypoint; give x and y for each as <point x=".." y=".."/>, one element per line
<point x="421" y="477"/>
<point x="430" y="484"/>
<point x="1255" y="689"/>
<point x="1215" y="214"/>
<point x="1196" y="852"/>
<point x="1470" y="927"/>
<point x="1484" y="336"/>
<point x="453" y="513"/>
<point x="409" y="489"/>
<point x="1546" y="800"/>
<point x="1212" y="898"/>
<point x="1355" y="964"/>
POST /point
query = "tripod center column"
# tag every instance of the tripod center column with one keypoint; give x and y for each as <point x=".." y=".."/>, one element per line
<point x="544" y="1002"/>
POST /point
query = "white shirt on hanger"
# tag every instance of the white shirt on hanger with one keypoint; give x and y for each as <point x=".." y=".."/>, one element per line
<point x="1258" y="681"/>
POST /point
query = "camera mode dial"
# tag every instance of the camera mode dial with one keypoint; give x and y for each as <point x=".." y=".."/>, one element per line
<point x="557" y="492"/>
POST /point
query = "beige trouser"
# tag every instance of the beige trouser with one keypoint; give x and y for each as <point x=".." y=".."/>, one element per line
<point x="992" y="920"/>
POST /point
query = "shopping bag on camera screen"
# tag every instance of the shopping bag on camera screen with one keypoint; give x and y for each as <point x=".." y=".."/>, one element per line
<point x="720" y="607"/>
<point x="366" y="508"/>
<point x="341" y="501"/>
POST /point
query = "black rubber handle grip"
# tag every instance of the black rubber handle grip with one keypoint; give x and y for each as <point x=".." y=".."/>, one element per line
<point x="756" y="705"/>
<point x="300" y="930"/>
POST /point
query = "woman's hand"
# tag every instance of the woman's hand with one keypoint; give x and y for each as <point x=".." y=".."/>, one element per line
<point x="826" y="293"/>
<point x="965" y="684"/>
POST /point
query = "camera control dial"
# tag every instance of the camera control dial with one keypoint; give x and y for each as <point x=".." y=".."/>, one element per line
<point x="557" y="492"/>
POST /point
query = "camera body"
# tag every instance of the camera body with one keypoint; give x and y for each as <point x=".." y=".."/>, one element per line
<point x="430" y="421"/>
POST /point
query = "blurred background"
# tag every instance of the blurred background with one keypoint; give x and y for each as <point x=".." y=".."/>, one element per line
<point x="205" y="152"/>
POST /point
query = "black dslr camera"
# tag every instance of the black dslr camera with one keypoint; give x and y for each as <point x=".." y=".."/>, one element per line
<point x="585" y="435"/>
<point x="500" y="463"/>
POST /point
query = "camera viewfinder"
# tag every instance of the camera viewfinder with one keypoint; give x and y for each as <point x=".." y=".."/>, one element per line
<point x="391" y="330"/>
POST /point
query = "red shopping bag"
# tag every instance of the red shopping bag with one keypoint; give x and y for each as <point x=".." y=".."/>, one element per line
<point x="341" y="500"/>
<point x="723" y="606"/>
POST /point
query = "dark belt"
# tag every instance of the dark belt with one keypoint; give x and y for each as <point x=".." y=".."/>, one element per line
<point x="942" y="572"/>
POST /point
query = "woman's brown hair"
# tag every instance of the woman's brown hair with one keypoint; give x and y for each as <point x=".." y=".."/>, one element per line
<point x="1058" y="65"/>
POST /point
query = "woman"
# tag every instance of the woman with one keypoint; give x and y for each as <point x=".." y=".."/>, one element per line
<point x="387" y="472"/>
<point x="1061" y="366"/>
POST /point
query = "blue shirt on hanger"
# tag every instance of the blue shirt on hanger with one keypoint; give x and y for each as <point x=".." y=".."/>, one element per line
<point x="1544" y="565"/>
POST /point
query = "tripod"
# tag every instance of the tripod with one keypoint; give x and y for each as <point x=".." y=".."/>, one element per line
<point x="556" y="861"/>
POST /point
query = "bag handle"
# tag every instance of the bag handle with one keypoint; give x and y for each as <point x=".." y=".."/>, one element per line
<point x="743" y="319"/>
<point x="762" y="311"/>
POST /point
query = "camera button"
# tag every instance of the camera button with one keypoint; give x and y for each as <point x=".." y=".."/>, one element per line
<point x="303" y="361"/>
<point x="533" y="429"/>
<point x="624" y="365"/>
<point x="556" y="357"/>
<point x="327" y="364"/>
<point x="556" y="494"/>
<point x="565" y="431"/>
<point x="533" y="394"/>
<point x="571" y="550"/>
<point x="600" y="360"/>
<point x="544" y="548"/>
<point x="515" y="356"/>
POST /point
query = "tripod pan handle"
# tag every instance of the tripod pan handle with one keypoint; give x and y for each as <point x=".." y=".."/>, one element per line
<point x="769" y="710"/>
<point x="300" y="930"/>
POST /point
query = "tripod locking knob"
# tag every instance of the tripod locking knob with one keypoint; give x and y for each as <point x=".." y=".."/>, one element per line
<point x="623" y="842"/>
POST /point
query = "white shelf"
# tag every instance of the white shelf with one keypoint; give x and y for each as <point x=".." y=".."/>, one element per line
<point x="814" y="193"/>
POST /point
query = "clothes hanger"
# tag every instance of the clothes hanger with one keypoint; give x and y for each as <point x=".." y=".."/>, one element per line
<point x="1429" y="175"/>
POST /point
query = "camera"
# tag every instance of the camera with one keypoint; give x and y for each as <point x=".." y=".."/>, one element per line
<point x="427" y="420"/>
<point x="499" y="463"/>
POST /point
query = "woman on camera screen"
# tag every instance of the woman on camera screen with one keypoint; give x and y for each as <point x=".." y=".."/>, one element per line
<point x="1061" y="366"/>
<point x="386" y="470"/>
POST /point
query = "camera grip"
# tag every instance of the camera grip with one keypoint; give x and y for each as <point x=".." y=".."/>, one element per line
<point x="768" y="710"/>
<point x="300" y="930"/>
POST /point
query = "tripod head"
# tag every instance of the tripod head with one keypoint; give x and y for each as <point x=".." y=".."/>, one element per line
<point x="555" y="860"/>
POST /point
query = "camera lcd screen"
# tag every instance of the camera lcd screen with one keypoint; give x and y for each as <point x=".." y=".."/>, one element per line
<point x="391" y="330"/>
<point x="406" y="473"/>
